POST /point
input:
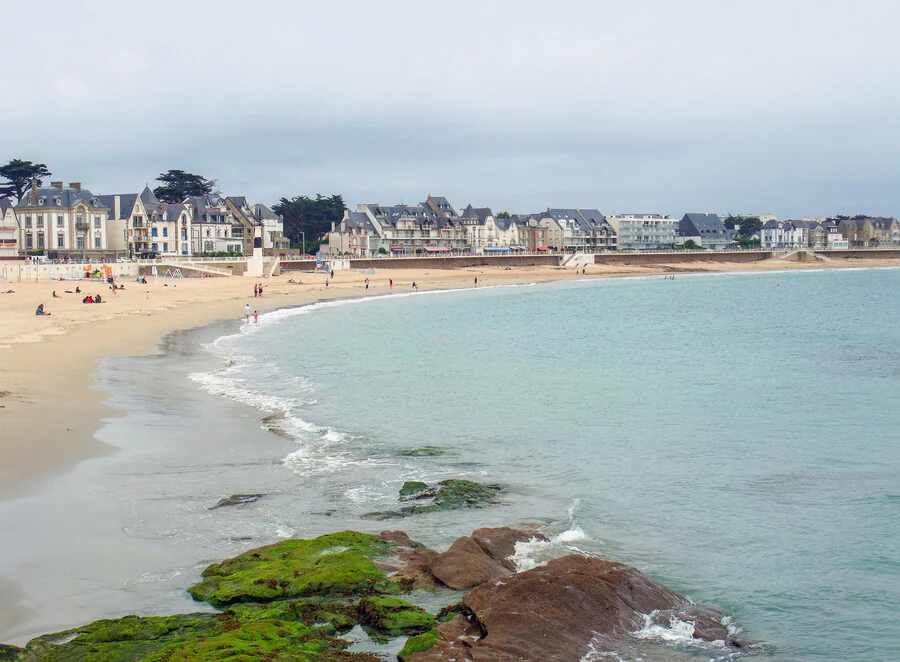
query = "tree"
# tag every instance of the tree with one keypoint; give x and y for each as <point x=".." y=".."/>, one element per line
<point x="178" y="185"/>
<point x="731" y="221"/>
<point x="310" y="216"/>
<point x="750" y="226"/>
<point x="18" y="175"/>
<point x="503" y="214"/>
<point x="691" y="245"/>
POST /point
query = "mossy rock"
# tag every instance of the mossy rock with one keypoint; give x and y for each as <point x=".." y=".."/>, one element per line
<point x="119" y="640"/>
<point x="9" y="653"/>
<point x="418" y="644"/>
<point x="450" y="612"/>
<point x="394" y="616"/>
<point x="450" y="494"/>
<point x="340" y="616"/>
<point x="270" y="632"/>
<point x="336" y="564"/>
<point x="424" y="451"/>
<point x="413" y="487"/>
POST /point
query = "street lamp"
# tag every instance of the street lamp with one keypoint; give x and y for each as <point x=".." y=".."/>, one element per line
<point x="303" y="235"/>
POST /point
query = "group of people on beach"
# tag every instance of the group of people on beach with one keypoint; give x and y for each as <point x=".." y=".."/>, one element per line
<point x="257" y="290"/>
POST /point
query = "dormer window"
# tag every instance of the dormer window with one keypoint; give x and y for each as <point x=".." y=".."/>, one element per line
<point x="58" y="201"/>
<point x="41" y="201"/>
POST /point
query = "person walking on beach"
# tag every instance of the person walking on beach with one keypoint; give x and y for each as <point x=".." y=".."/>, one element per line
<point x="476" y="281"/>
<point x="326" y="283"/>
<point x="247" y="312"/>
<point x="415" y="287"/>
<point x="332" y="273"/>
<point x="255" y="290"/>
<point x="259" y="289"/>
<point x="256" y="317"/>
<point x="391" y="284"/>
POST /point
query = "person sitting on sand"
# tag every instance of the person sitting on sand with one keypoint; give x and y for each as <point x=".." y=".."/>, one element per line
<point x="88" y="299"/>
<point x="40" y="310"/>
<point x="97" y="299"/>
<point x="55" y="295"/>
<point x="77" y="290"/>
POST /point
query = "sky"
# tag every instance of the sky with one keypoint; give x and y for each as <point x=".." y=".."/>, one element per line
<point x="788" y="107"/>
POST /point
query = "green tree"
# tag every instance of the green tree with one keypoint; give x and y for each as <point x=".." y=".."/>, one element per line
<point x="18" y="175"/>
<point x="691" y="245"/>
<point x="178" y="185"/>
<point x="731" y="221"/>
<point x="311" y="216"/>
<point x="503" y="214"/>
<point x="750" y="226"/>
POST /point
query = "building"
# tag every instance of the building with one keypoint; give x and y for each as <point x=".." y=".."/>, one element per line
<point x="706" y="230"/>
<point x="871" y="232"/>
<point x="641" y="232"/>
<point x="140" y="224"/>
<point x="272" y="224"/>
<point x="427" y="228"/>
<point x="63" y="221"/>
<point x="9" y="230"/>
<point x="789" y="234"/>
<point x="484" y="231"/>
<point x="577" y="230"/>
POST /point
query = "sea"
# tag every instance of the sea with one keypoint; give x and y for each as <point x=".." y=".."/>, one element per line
<point x="734" y="436"/>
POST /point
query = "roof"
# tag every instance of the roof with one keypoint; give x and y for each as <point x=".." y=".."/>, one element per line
<point x="261" y="212"/>
<point x="126" y="204"/>
<point x="148" y="197"/>
<point x="694" y="224"/>
<point x="68" y="198"/>
<point x="5" y="203"/>
<point x="481" y="213"/>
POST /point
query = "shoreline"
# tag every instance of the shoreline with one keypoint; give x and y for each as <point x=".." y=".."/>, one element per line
<point x="51" y="407"/>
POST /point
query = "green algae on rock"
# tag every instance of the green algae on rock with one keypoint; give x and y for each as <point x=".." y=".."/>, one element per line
<point x="394" y="616"/>
<point x="418" y="644"/>
<point x="10" y="653"/>
<point x="450" y="494"/>
<point x="334" y="564"/>
<point x="424" y="451"/>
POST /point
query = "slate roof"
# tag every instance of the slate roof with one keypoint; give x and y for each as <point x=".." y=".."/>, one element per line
<point x="261" y="212"/>
<point x="68" y="197"/>
<point x="693" y="225"/>
<point x="148" y="197"/>
<point x="5" y="204"/>
<point x="126" y="204"/>
<point x="443" y="204"/>
<point x="481" y="213"/>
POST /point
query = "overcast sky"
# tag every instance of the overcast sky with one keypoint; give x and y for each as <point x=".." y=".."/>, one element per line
<point x="789" y="107"/>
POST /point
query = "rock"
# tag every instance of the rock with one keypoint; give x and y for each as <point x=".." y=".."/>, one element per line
<point x="399" y="538"/>
<point x="9" y="653"/>
<point x="707" y="622"/>
<point x="552" y="612"/>
<point x="414" y="646"/>
<point x="424" y="451"/>
<point x="500" y="543"/>
<point x="466" y="565"/>
<point x="450" y="494"/>
<point x="394" y="616"/>
<point x="417" y="572"/>
<point x="335" y="564"/>
<point x="413" y="487"/>
<point x="237" y="500"/>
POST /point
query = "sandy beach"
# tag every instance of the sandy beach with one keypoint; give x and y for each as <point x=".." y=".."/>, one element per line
<point x="49" y="407"/>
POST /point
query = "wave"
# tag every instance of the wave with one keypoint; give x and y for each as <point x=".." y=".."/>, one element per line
<point x="536" y="552"/>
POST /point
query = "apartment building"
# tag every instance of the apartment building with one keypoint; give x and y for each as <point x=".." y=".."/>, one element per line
<point x="641" y="232"/>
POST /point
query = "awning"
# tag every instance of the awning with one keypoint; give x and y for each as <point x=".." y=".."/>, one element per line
<point x="543" y="248"/>
<point x="436" y="249"/>
<point x="497" y="249"/>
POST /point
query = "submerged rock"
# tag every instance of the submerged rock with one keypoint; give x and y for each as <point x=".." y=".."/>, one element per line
<point x="424" y="451"/>
<point x="450" y="494"/>
<point x="237" y="500"/>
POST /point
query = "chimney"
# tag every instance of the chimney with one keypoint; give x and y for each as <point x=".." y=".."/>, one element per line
<point x="58" y="185"/>
<point x="75" y="185"/>
<point x="34" y="188"/>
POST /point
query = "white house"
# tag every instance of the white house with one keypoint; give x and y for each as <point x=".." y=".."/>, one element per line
<point x="68" y="220"/>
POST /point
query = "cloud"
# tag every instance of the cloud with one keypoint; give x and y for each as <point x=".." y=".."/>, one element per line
<point x="644" y="106"/>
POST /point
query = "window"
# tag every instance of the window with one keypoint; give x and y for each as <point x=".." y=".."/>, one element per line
<point x="28" y="240"/>
<point x="79" y="220"/>
<point x="79" y="242"/>
<point x="96" y="221"/>
<point x="165" y="232"/>
<point x="184" y="249"/>
<point x="165" y="247"/>
<point x="183" y="234"/>
<point x="40" y="220"/>
<point x="96" y="241"/>
<point x="154" y="247"/>
<point x="28" y="220"/>
<point x="40" y="240"/>
<point x="153" y="232"/>
<point x="59" y="221"/>
<point x="60" y="240"/>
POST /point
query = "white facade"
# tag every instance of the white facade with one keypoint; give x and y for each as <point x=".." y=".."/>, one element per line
<point x="69" y="220"/>
<point x="638" y="232"/>
<point x="9" y="230"/>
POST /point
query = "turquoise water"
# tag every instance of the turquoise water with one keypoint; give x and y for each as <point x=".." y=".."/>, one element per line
<point x="735" y="436"/>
